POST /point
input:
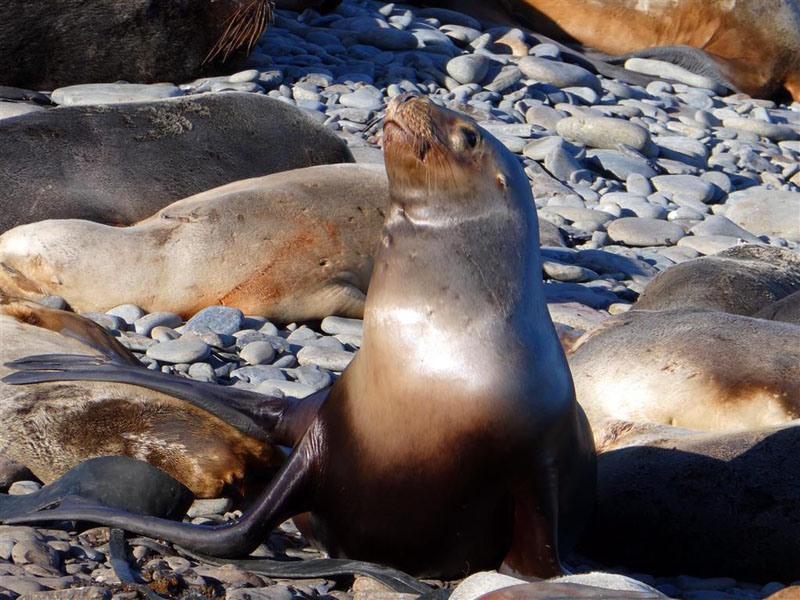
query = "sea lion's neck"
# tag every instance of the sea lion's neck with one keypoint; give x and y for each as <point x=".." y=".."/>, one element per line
<point x="457" y="276"/>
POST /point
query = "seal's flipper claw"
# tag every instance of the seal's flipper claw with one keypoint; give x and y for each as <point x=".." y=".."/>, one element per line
<point x="692" y="59"/>
<point x="267" y="418"/>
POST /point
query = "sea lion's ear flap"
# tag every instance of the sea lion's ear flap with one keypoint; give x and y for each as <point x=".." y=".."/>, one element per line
<point x="501" y="181"/>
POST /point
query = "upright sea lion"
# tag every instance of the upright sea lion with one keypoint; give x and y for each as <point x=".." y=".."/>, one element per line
<point x="452" y="442"/>
<point x="696" y="369"/>
<point x="752" y="45"/>
<point x="108" y="40"/>
<point x="294" y="246"/>
<point x="121" y="163"/>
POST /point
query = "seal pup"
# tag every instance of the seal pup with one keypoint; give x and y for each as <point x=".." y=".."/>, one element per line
<point x="452" y="442"/>
<point x="116" y="481"/>
<point x="753" y="47"/>
<point x="121" y="163"/>
<point x="696" y="369"/>
<point x="292" y="246"/>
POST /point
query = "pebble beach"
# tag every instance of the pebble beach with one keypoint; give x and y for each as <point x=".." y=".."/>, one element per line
<point x="628" y="181"/>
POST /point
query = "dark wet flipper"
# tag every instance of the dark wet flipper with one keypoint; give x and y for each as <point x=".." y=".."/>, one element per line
<point x="321" y="567"/>
<point x="115" y="481"/>
<point x="55" y="362"/>
<point x="266" y="418"/>
<point x="692" y="59"/>
<point x="286" y="495"/>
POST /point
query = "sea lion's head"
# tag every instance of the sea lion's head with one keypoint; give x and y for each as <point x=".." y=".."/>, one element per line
<point x="431" y="151"/>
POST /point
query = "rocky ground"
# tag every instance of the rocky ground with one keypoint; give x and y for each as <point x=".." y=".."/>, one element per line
<point x="636" y="179"/>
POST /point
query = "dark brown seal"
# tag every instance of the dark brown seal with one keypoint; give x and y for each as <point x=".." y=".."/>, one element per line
<point x="134" y="40"/>
<point x="453" y="442"/>
<point x="121" y="163"/>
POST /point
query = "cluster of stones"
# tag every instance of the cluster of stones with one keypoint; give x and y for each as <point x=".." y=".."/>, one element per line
<point x="221" y="345"/>
<point x="41" y="564"/>
<point x="50" y="564"/>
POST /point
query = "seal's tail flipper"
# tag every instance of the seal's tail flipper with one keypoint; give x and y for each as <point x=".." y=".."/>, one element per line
<point x="322" y="567"/>
<point x="267" y="418"/>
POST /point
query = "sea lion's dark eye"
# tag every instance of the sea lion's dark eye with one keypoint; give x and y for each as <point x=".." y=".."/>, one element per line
<point x="470" y="137"/>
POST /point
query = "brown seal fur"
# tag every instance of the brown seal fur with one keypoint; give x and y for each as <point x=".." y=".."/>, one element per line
<point x="755" y="44"/>
<point x="52" y="427"/>
<point x="453" y="441"/>
<point x="696" y="369"/>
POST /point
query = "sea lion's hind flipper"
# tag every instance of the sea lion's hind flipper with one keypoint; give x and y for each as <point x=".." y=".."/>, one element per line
<point x="692" y="59"/>
<point x="54" y="362"/>
<point x="322" y="567"/>
<point x="265" y="418"/>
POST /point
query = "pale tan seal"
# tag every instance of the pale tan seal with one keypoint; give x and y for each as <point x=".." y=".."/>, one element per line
<point x="695" y="369"/>
<point x="293" y="246"/>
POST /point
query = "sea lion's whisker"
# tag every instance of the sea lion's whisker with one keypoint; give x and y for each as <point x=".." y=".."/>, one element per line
<point x="242" y="29"/>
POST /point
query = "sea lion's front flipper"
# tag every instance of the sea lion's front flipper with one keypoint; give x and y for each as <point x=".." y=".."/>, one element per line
<point x="276" y="420"/>
<point x="534" y="546"/>
<point x="110" y="481"/>
<point x="286" y="495"/>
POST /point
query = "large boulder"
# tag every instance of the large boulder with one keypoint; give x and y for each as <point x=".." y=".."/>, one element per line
<point x="121" y="163"/>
